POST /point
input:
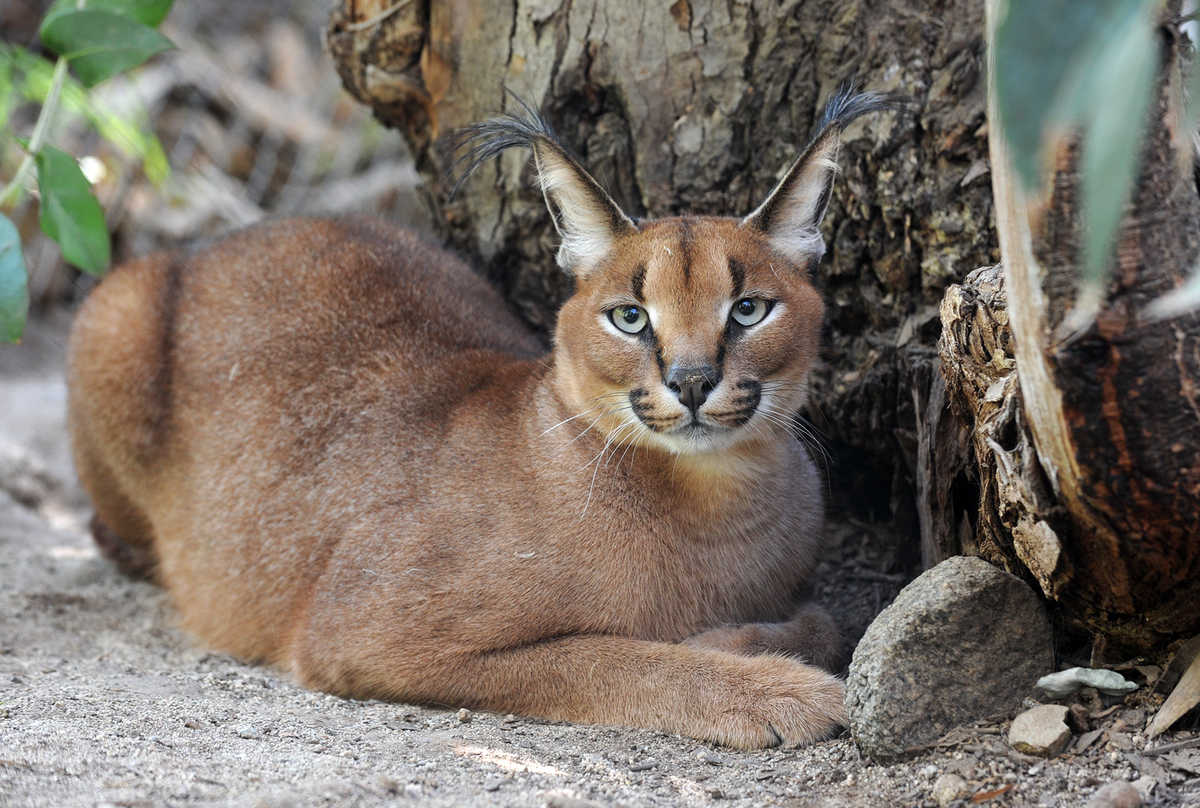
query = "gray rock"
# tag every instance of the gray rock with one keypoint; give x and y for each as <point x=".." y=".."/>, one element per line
<point x="963" y="641"/>
<point x="1040" y="730"/>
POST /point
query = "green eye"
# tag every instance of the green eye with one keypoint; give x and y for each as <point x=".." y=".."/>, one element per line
<point x="630" y="319"/>
<point x="750" y="310"/>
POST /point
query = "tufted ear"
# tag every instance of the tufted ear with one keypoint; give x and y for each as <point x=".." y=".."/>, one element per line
<point x="791" y="214"/>
<point x="585" y="216"/>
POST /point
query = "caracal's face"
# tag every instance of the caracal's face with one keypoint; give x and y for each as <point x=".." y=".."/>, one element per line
<point x="693" y="335"/>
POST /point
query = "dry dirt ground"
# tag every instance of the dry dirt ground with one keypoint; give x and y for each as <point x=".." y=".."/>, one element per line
<point x="104" y="702"/>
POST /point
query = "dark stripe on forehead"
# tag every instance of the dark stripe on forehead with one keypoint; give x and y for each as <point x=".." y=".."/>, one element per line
<point x="737" y="274"/>
<point x="639" y="282"/>
<point x="685" y="249"/>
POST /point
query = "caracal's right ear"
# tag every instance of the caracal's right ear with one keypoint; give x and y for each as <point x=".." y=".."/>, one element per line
<point x="791" y="215"/>
<point x="585" y="216"/>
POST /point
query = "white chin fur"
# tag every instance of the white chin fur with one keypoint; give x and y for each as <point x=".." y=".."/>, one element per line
<point x="715" y="439"/>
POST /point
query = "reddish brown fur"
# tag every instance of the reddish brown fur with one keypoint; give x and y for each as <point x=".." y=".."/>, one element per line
<point x="345" y="457"/>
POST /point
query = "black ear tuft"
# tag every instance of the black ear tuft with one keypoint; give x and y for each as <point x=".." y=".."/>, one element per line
<point x="847" y="105"/>
<point x="480" y="142"/>
<point x="586" y="217"/>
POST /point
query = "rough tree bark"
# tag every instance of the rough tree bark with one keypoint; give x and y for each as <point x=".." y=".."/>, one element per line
<point x="1089" y="447"/>
<point x="697" y="107"/>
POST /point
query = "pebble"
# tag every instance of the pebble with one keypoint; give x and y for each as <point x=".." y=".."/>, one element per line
<point x="642" y="765"/>
<point x="1041" y="730"/>
<point x="248" y="732"/>
<point x="709" y="757"/>
<point x="1116" y="795"/>
<point x="948" y="788"/>
<point x="1065" y="683"/>
<point x="464" y="716"/>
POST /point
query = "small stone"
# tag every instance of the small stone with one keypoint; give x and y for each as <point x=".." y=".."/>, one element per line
<point x="963" y="641"/>
<point x="710" y="757"/>
<point x="948" y="788"/>
<point x="1042" y="731"/>
<point x="248" y="732"/>
<point x="1065" y="683"/>
<point x="413" y="791"/>
<point x="1116" y="795"/>
<point x="464" y="716"/>
<point x="642" y="765"/>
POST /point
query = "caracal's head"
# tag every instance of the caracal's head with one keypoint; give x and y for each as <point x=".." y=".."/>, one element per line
<point x="691" y="334"/>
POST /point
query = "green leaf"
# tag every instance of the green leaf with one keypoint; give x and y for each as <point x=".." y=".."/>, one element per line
<point x="70" y="213"/>
<point x="100" y="44"/>
<point x="1112" y="146"/>
<point x="147" y="12"/>
<point x="1048" y="54"/>
<point x="1088" y="67"/>
<point x="129" y="133"/>
<point x="14" y="292"/>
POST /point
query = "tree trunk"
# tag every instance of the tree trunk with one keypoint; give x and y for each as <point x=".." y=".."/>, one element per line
<point x="1089" y="447"/>
<point x="698" y="107"/>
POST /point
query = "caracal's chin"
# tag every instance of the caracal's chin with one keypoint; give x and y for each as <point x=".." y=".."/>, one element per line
<point x="703" y="436"/>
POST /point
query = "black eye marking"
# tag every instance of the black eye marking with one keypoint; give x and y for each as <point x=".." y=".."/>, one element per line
<point x="737" y="274"/>
<point x="639" y="282"/>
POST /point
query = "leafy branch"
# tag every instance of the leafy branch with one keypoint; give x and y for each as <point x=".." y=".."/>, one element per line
<point x="1065" y="68"/>
<point x="94" y="40"/>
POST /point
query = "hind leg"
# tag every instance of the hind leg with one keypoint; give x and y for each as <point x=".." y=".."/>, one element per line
<point x="120" y="529"/>
<point x="136" y="561"/>
<point x="113" y="359"/>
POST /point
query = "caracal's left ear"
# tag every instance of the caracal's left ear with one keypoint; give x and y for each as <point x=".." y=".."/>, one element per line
<point x="587" y="219"/>
<point x="791" y="215"/>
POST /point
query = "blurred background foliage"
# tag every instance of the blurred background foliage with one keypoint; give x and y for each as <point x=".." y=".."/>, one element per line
<point x="244" y="119"/>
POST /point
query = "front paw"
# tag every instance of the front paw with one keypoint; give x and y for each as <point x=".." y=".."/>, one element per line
<point x="779" y="702"/>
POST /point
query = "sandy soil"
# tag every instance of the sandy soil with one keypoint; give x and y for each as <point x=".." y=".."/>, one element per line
<point x="104" y="702"/>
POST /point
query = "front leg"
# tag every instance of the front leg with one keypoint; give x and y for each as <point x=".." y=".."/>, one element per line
<point x="810" y="635"/>
<point x="747" y="702"/>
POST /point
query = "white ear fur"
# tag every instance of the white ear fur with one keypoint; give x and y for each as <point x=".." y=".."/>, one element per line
<point x="791" y="215"/>
<point x="585" y="216"/>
